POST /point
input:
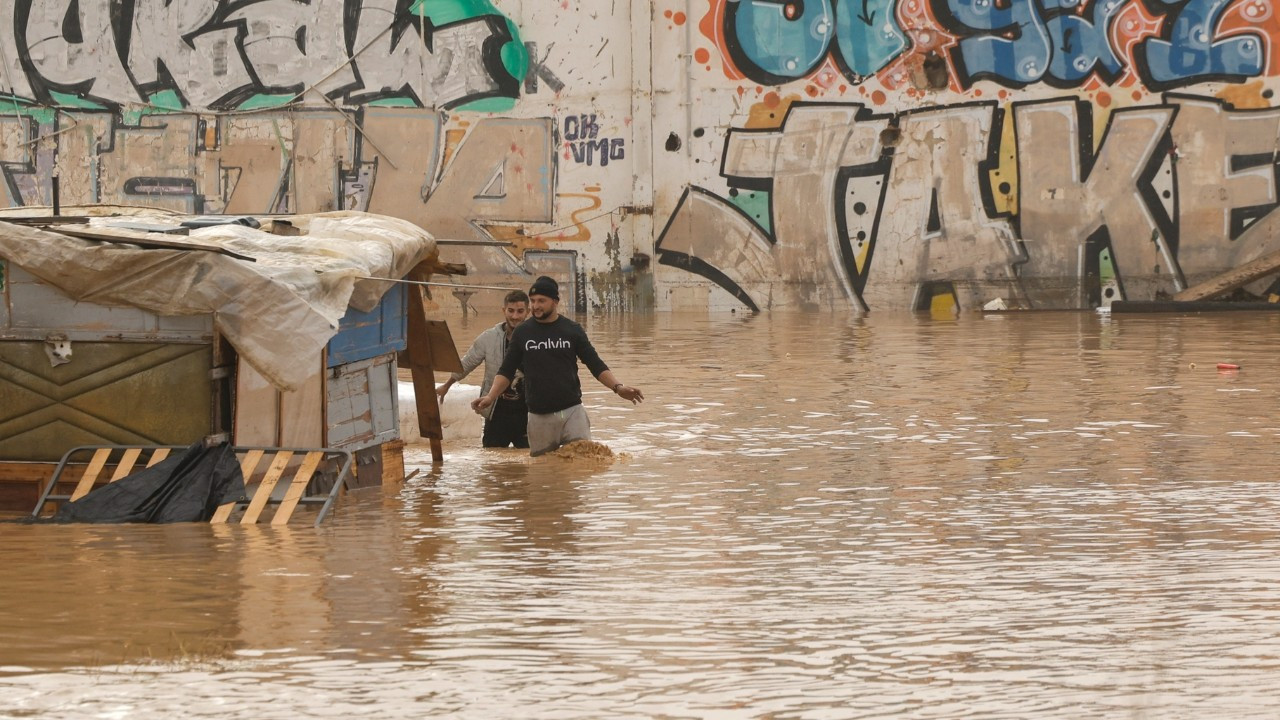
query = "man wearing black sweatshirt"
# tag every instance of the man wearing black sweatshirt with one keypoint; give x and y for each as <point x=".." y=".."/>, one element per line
<point x="547" y="349"/>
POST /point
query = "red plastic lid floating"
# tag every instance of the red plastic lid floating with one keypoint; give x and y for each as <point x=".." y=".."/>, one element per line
<point x="1228" y="366"/>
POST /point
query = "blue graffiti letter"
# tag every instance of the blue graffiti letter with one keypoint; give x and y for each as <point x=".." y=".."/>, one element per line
<point x="1080" y="46"/>
<point x="1018" y="61"/>
<point x="867" y="35"/>
<point x="775" y="41"/>
<point x="1188" y="54"/>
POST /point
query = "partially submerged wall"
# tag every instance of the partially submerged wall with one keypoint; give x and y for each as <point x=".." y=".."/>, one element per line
<point x="877" y="154"/>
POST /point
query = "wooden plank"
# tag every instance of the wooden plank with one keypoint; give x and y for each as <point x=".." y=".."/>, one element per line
<point x="91" y="473"/>
<point x="1257" y="269"/>
<point x="297" y="488"/>
<point x="444" y="352"/>
<point x="21" y="484"/>
<point x="1190" y="306"/>
<point x="126" y="464"/>
<point x="302" y="412"/>
<point x="266" y="487"/>
<point x="148" y="241"/>
<point x="42" y="220"/>
<point x="248" y="465"/>
<point x="424" y="379"/>
<point x="257" y="420"/>
<point x="392" y="462"/>
<point x="158" y="457"/>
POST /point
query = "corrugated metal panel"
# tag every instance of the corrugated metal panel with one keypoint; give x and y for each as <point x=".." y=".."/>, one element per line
<point x="110" y="393"/>
<point x="37" y="309"/>
<point x="366" y="335"/>
<point x="363" y="404"/>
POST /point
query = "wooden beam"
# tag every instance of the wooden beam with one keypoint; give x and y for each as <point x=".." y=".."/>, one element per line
<point x="434" y="266"/>
<point x="126" y="464"/>
<point x="1120" y="307"/>
<point x="297" y="488"/>
<point x="1268" y="264"/>
<point x="420" y="364"/>
<point x="91" y="472"/>
<point x="150" y="242"/>
<point x="265" y="488"/>
<point x="477" y="243"/>
<point x="248" y="466"/>
<point x="158" y="457"/>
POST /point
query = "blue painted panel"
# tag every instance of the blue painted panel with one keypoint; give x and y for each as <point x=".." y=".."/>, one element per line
<point x="367" y="335"/>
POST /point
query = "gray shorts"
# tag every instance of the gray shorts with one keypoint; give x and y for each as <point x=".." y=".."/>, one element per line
<point x="548" y="432"/>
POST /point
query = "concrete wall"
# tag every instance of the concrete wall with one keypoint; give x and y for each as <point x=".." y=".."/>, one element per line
<point x="873" y="154"/>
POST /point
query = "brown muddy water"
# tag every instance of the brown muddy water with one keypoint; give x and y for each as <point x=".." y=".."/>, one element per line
<point x="1020" y="516"/>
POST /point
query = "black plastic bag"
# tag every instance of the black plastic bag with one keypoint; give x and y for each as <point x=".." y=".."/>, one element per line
<point x="184" y="488"/>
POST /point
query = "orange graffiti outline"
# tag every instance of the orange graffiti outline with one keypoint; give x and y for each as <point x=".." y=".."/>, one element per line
<point x="580" y="229"/>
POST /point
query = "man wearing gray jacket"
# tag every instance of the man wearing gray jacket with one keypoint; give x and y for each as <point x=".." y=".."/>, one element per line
<point x="506" y="421"/>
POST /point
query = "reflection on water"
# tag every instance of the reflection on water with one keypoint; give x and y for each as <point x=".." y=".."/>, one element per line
<point x="1040" y="515"/>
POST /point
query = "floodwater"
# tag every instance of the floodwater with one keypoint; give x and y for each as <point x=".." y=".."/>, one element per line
<point x="1049" y="515"/>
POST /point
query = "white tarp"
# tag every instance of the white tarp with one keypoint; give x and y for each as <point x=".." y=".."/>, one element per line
<point x="278" y="312"/>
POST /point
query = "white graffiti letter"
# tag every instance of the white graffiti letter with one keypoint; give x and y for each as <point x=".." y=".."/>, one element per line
<point x="292" y="45"/>
<point x="204" y="72"/>
<point x="1208" y="137"/>
<point x="1067" y="195"/>
<point x="936" y="172"/>
<point x="88" y="60"/>
<point x="452" y="71"/>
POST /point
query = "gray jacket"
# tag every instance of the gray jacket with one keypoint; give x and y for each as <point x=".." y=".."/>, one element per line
<point x="488" y="348"/>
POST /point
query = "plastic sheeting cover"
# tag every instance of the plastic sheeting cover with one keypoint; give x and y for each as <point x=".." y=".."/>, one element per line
<point x="278" y="312"/>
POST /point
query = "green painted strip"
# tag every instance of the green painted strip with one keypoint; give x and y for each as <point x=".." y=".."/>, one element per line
<point x="265" y="100"/>
<point x="66" y="100"/>
<point x="755" y="203"/>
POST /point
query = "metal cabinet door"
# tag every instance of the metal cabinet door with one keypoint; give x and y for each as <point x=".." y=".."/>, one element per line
<point x="108" y="394"/>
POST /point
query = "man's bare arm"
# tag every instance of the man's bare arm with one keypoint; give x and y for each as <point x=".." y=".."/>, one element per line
<point x="624" y="391"/>
<point x="500" y="385"/>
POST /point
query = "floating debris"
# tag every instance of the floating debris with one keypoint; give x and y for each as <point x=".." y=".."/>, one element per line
<point x="583" y="449"/>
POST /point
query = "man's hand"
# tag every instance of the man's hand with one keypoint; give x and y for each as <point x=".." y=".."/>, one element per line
<point x="626" y="392"/>
<point x="441" y="390"/>
<point x="479" y="404"/>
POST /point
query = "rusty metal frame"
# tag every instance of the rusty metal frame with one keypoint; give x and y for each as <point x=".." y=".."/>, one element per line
<point x="344" y="478"/>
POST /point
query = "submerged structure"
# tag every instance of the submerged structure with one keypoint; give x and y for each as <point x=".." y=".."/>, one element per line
<point x="129" y="327"/>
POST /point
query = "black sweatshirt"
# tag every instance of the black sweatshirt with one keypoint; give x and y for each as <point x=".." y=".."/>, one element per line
<point x="548" y="355"/>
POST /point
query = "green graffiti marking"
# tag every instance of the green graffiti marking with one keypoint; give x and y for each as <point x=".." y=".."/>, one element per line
<point x="515" y="58"/>
<point x="512" y="54"/>
<point x="67" y="100"/>
<point x="266" y="100"/>
<point x="1106" y="268"/>
<point x="756" y="205"/>
<point x="161" y="103"/>
<point x="394" y="102"/>
<point x="21" y="107"/>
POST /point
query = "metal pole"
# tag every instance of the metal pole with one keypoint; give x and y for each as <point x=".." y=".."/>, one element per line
<point x="436" y="284"/>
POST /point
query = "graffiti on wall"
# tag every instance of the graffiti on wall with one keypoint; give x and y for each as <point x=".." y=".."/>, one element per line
<point x="1130" y="186"/>
<point x="389" y="160"/>
<point x="1063" y="43"/>
<point x="882" y="210"/>
<point x="215" y="55"/>
<point x="584" y="144"/>
<point x="265" y="106"/>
